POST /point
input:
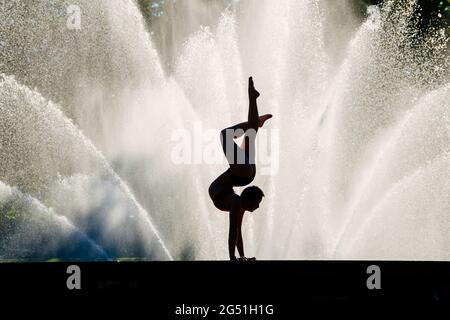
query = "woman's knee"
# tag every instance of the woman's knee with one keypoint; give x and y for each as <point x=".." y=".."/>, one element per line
<point x="242" y="170"/>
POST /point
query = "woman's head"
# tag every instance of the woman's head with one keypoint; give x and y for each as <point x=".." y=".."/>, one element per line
<point x="251" y="198"/>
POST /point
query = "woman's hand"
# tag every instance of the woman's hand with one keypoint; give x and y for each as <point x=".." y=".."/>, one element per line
<point x="247" y="259"/>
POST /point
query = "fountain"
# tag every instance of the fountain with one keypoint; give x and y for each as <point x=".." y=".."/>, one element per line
<point x="88" y="119"/>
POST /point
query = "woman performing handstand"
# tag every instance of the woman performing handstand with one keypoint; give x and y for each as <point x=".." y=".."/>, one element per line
<point x="242" y="171"/>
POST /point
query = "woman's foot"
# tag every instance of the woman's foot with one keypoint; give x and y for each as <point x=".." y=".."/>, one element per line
<point x="252" y="93"/>
<point x="263" y="119"/>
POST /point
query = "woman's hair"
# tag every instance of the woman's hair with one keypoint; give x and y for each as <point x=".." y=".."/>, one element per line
<point x="252" y="193"/>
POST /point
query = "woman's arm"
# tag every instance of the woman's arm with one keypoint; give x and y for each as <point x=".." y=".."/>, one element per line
<point x="233" y="230"/>
<point x="240" y="243"/>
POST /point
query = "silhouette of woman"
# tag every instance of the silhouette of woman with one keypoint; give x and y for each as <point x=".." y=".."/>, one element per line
<point x="242" y="171"/>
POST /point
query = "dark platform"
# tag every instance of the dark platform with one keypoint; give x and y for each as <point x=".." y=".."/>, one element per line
<point x="287" y="285"/>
